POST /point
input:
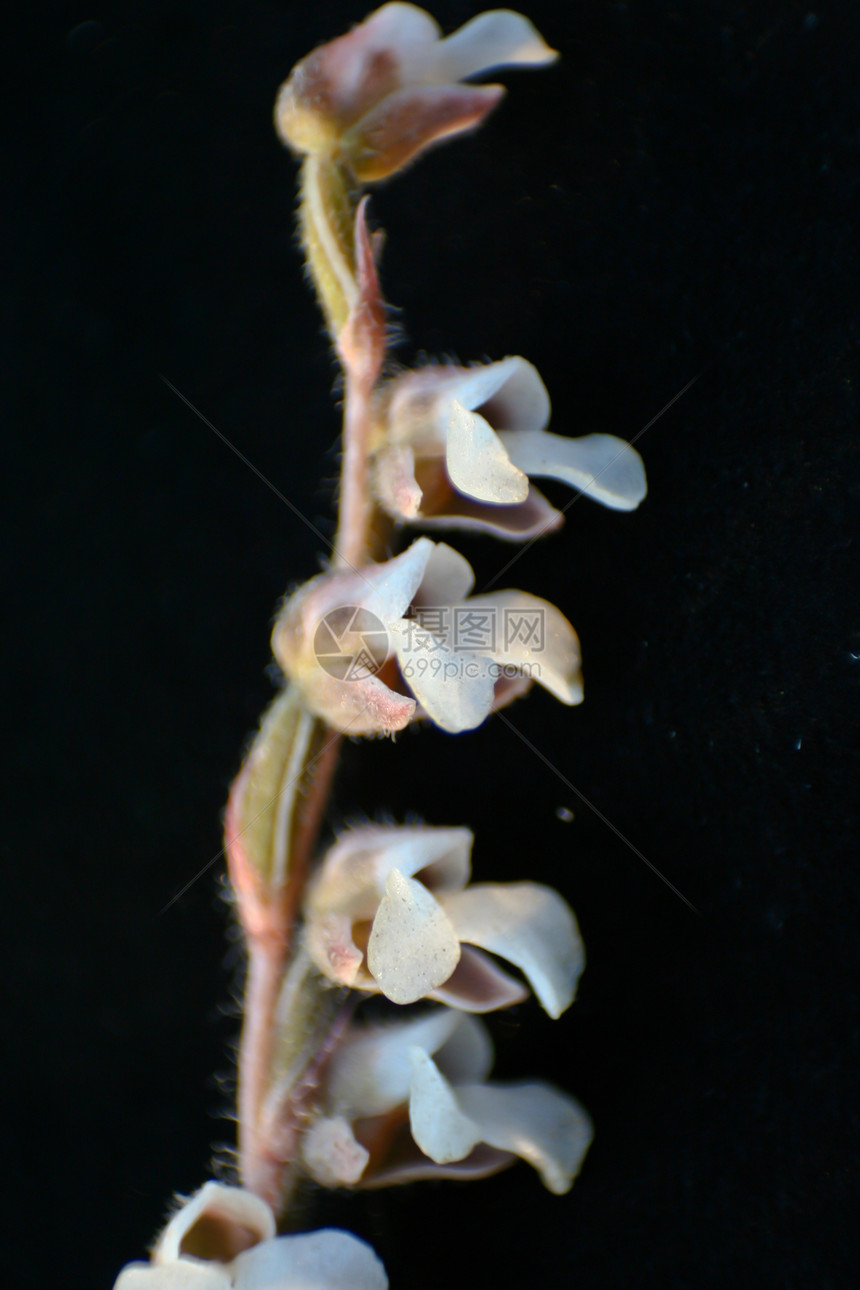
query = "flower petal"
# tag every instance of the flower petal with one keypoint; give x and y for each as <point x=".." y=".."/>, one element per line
<point x="370" y="1073"/>
<point x="354" y="871"/>
<point x="477" y="984"/>
<point x="363" y="705"/>
<point x="448" y="577"/>
<point x="599" y="465"/>
<point x="498" y="38"/>
<point x="339" y="82"/>
<point x="412" y="946"/>
<point x="185" y="1274"/>
<point x="530" y="926"/>
<point x="533" y="518"/>
<point x="467" y="1055"/>
<point x="406" y="30"/>
<point x="538" y="639"/>
<point x="406" y="122"/>
<point x="390" y="588"/>
<point x="454" y="689"/>
<point x="409" y="1164"/>
<point x="543" y="1126"/>
<point x="217" y="1222"/>
<point x="329" y="942"/>
<point x="331" y="1154"/>
<point x="438" y="1125"/>
<point x="394" y="482"/>
<point x="521" y="401"/>
<point x="509" y="392"/>
<point x="324" y="1260"/>
<point x="477" y="462"/>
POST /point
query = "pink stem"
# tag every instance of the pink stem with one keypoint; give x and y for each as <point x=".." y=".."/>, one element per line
<point x="354" y="501"/>
<point x="262" y="983"/>
<point x="268" y="923"/>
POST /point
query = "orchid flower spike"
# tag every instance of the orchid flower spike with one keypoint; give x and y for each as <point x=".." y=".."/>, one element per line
<point x="455" y="447"/>
<point x="409" y="1101"/>
<point x="223" y="1238"/>
<point x="389" y="911"/>
<point x="380" y="95"/>
<point x="356" y="642"/>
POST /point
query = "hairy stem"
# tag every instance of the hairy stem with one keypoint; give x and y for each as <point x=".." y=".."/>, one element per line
<point x="289" y="770"/>
<point x="355" y="507"/>
<point x="326" y="228"/>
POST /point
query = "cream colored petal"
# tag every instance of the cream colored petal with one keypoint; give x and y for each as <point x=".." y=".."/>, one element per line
<point x="477" y="462"/>
<point x="534" y="636"/>
<point x="438" y="1125"/>
<point x="331" y="1154"/>
<point x="600" y="465"/>
<point x="404" y="29"/>
<point x="217" y="1222"/>
<point x="388" y="589"/>
<point x="354" y="871"/>
<point x="480" y="384"/>
<point x="448" y="578"/>
<point x="385" y="590"/>
<point x="324" y="1260"/>
<point x="370" y="1072"/>
<point x="414" y="406"/>
<point x="412" y="946"/>
<point x="498" y="38"/>
<point x="183" y="1275"/>
<point x="537" y="1122"/>
<point x="509" y="393"/>
<point x="467" y="1055"/>
<point x="454" y="689"/>
<point x="530" y="926"/>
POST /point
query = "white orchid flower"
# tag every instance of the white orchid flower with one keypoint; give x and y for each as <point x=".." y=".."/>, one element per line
<point x="410" y="1101"/>
<point x="389" y="88"/>
<point x="455" y="447"/>
<point x="368" y="646"/>
<point x="223" y="1238"/>
<point x="390" y="912"/>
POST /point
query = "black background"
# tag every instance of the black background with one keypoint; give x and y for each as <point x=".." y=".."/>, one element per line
<point x="678" y="198"/>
